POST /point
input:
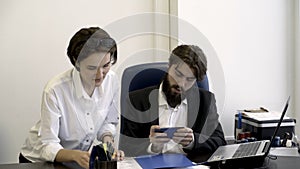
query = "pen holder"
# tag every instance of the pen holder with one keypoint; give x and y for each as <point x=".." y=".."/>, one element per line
<point x="106" y="164"/>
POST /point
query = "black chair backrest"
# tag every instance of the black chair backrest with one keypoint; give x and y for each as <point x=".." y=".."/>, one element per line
<point x="148" y="74"/>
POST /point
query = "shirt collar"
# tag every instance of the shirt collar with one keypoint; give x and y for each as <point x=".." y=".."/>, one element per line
<point x="79" y="90"/>
<point x="162" y="101"/>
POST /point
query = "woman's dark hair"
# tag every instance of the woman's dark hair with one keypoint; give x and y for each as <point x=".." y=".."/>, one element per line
<point x="193" y="56"/>
<point x="88" y="41"/>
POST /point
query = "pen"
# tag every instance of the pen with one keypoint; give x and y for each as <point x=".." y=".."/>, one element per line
<point x="105" y="150"/>
<point x="264" y="109"/>
<point x="260" y="110"/>
<point x="109" y="151"/>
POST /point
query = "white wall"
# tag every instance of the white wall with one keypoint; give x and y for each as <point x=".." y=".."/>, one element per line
<point x="34" y="37"/>
<point x="252" y="39"/>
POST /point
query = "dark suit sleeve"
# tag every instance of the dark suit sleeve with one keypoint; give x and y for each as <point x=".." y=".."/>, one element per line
<point x="208" y="132"/>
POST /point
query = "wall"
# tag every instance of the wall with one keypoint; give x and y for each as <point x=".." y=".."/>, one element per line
<point x="253" y="43"/>
<point x="34" y="37"/>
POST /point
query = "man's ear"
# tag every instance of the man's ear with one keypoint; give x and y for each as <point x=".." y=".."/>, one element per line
<point x="77" y="66"/>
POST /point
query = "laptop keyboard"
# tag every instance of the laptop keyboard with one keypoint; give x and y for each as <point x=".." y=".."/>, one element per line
<point x="247" y="149"/>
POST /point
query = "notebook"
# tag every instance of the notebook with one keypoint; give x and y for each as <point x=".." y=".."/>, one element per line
<point x="251" y="154"/>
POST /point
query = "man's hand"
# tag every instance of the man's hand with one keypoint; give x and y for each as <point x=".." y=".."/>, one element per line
<point x="157" y="139"/>
<point x="183" y="136"/>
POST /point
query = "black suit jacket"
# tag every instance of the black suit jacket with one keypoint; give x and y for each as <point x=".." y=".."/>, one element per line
<point x="141" y="113"/>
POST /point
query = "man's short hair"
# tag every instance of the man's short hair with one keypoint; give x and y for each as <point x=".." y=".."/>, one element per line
<point x="193" y="56"/>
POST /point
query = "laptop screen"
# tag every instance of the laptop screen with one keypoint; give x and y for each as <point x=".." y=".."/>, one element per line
<point x="279" y="123"/>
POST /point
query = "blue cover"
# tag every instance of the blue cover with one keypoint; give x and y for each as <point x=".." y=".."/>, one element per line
<point x="163" y="161"/>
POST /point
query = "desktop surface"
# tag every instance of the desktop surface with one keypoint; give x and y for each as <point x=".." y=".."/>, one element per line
<point x="276" y="162"/>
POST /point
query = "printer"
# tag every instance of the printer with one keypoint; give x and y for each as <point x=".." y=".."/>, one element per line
<point x="262" y="125"/>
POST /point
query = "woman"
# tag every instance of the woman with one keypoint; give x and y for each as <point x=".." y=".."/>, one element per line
<point x="79" y="105"/>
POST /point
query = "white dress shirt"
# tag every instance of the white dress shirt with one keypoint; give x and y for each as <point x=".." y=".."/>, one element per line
<point x="70" y="118"/>
<point x="171" y="117"/>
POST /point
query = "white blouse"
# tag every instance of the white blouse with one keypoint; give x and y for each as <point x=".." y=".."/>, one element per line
<point x="70" y="119"/>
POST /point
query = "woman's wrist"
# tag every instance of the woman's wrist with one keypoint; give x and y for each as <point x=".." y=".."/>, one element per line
<point x="107" y="137"/>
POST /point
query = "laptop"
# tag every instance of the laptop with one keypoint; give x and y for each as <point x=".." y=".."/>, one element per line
<point x="251" y="154"/>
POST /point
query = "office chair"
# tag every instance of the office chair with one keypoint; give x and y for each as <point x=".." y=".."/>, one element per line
<point x="142" y="76"/>
<point x="146" y="75"/>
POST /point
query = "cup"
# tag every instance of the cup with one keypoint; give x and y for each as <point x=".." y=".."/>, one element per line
<point x="106" y="164"/>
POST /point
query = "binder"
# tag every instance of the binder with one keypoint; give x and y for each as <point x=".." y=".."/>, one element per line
<point x="163" y="161"/>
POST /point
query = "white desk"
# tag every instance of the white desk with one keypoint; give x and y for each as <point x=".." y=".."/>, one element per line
<point x="284" y="152"/>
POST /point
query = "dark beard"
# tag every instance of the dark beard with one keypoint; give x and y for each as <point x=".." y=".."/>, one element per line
<point x="173" y="99"/>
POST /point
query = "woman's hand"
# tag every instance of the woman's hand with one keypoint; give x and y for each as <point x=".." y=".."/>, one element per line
<point x="118" y="155"/>
<point x="82" y="158"/>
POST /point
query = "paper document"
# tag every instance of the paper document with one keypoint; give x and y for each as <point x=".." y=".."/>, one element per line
<point x="262" y="116"/>
<point x="284" y="151"/>
<point x="129" y="163"/>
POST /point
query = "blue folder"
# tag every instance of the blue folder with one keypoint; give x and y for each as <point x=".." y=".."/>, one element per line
<point x="163" y="161"/>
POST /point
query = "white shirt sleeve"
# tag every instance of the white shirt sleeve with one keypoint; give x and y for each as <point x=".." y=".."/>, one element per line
<point x="50" y="125"/>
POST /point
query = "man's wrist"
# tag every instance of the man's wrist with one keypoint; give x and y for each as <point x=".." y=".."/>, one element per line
<point x="191" y="144"/>
<point x="157" y="148"/>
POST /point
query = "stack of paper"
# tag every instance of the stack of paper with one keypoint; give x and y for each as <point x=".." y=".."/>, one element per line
<point x="262" y="116"/>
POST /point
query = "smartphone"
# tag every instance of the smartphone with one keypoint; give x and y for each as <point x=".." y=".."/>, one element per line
<point x="168" y="130"/>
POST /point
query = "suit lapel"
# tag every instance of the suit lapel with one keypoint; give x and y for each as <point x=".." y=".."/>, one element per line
<point x="193" y="100"/>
